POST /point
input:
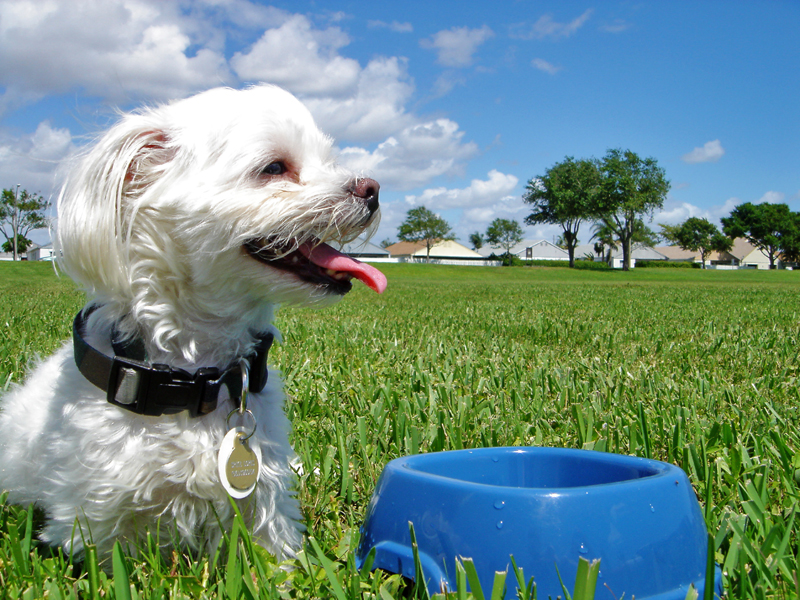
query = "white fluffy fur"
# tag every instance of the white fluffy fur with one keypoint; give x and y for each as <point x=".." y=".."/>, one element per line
<point x="151" y="223"/>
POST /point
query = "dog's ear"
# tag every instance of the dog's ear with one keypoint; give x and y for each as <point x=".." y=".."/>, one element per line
<point x="98" y="203"/>
<point x="153" y="151"/>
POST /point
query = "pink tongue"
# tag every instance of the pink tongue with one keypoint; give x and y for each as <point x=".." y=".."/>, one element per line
<point x="326" y="257"/>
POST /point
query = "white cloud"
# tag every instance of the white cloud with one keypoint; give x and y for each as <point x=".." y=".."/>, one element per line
<point x="675" y="213"/>
<point x="33" y="160"/>
<point x="446" y="82"/>
<point x="300" y="58"/>
<point x="414" y="156"/>
<point x="349" y="102"/>
<point x="479" y="193"/>
<point x="395" y="26"/>
<point x="456" y="47"/>
<point x="114" y="49"/>
<point x="546" y="27"/>
<point x="478" y="218"/>
<point x="710" y="152"/>
<point x="543" y="65"/>
<point x="373" y="109"/>
<point x="467" y="209"/>
<point x="771" y="198"/>
<point x="476" y="205"/>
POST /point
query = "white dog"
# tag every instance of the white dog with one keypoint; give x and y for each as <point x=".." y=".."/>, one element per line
<point x="187" y="225"/>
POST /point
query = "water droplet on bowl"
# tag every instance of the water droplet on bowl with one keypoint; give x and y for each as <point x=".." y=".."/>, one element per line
<point x="499" y="504"/>
<point x="652" y="509"/>
<point x="495" y="459"/>
<point x="583" y="549"/>
<point x="499" y="524"/>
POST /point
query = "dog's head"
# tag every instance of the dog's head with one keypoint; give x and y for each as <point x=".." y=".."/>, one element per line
<point x="214" y="207"/>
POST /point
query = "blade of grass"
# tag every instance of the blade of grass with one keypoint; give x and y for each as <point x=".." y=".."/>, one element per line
<point x="329" y="569"/>
<point x="420" y="585"/>
<point x="92" y="570"/>
<point x="122" y="584"/>
<point x="472" y="578"/>
<point x="586" y="579"/>
<point x="708" y="590"/>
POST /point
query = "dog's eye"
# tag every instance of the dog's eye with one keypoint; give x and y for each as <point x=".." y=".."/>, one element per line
<point x="276" y="168"/>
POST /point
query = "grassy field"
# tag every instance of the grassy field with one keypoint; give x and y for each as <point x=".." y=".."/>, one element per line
<point x="695" y="368"/>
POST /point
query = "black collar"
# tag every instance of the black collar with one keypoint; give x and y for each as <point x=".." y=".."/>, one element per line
<point x="159" y="389"/>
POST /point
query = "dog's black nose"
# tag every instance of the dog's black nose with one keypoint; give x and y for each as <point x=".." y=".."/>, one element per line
<point x="367" y="189"/>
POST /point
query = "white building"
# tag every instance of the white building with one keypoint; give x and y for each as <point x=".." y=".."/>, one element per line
<point x="41" y="252"/>
<point x="444" y="252"/>
<point x="638" y="252"/>
<point x="531" y="250"/>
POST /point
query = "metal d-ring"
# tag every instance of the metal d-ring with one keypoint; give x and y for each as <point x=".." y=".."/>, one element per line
<point x="244" y="366"/>
<point x="243" y="438"/>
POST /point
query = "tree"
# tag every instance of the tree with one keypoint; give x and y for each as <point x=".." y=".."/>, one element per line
<point x="423" y="225"/>
<point x="643" y="235"/>
<point x="505" y="234"/>
<point x="668" y="233"/>
<point x="477" y="240"/>
<point x="23" y="244"/>
<point x="790" y="244"/>
<point x="22" y="212"/>
<point x="606" y="240"/>
<point x="696" y="234"/>
<point x="566" y="196"/>
<point x="772" y="228"/>
<point x="630" y="187"/>
<point x="606" y="235"/>
<point x="386" y="243"/>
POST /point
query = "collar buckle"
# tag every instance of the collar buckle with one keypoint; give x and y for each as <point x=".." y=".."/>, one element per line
<point x="161" y="390"/>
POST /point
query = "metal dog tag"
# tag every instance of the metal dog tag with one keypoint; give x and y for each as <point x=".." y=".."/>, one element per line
<point x="239" y="463"/>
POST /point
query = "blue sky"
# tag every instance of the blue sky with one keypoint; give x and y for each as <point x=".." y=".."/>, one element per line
<point x="454" y="105"/>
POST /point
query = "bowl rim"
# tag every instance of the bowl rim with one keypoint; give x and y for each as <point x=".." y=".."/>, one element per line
<point x="408" y="466"/>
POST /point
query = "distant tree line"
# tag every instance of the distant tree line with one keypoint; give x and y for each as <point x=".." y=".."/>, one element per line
<point x="615" y="194"/>
<point x="619" y="190"/>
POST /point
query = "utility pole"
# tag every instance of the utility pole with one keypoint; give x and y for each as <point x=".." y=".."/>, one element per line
<point x="15" y="222"/>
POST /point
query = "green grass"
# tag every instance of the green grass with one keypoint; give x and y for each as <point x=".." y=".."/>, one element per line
<point x="695" y="368"/>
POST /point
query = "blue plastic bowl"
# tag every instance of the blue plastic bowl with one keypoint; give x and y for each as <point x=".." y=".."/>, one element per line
<point x="547" y="507"/>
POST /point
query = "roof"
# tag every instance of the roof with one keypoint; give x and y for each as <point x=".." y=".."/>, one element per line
<point x="638" y="252"/>
<point x="542" y="249"/>
<point x="584" y="249"/>
<point x="642" y="252"/>
<point x="742" y="249"/>
<point x="441" y="249"/>
<point x="678" y="253"/>
<point x="404" y="248"/>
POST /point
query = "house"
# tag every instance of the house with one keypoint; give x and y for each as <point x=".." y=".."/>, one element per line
<point x="744" y="255"/>
<point x="41" y="252"/>
<point x="531" y="250"/>
<point x="678" y="254"/>
<point x="638" y="252"/>
<point x="584" y="251"/>
<point x="443" y="252"/>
